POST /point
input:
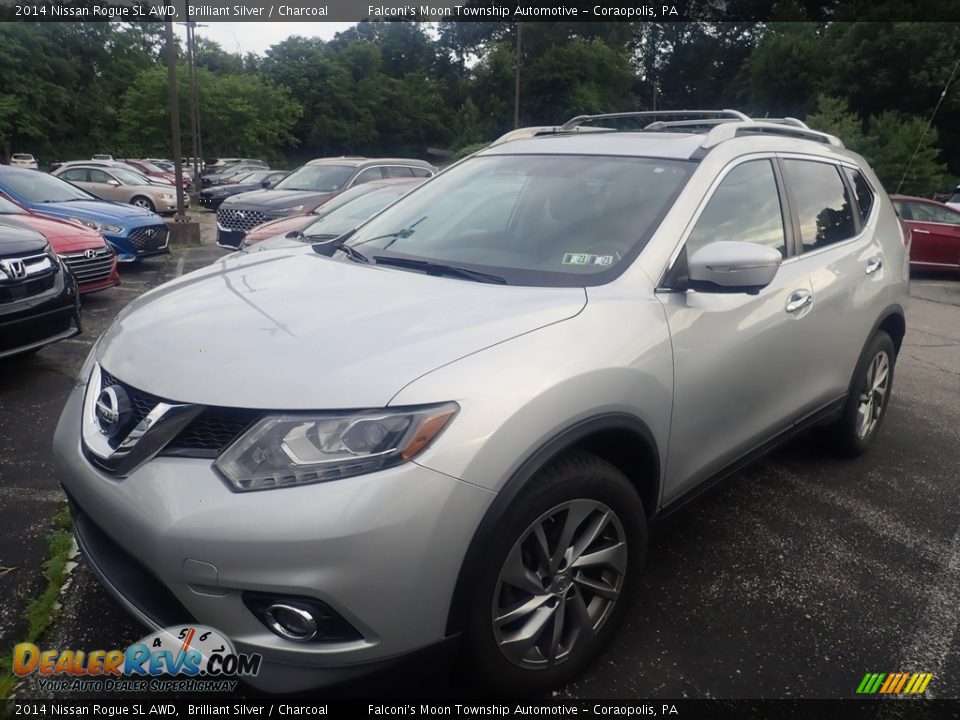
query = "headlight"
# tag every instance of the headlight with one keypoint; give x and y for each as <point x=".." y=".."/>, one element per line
<point x="166" y="197"/>
<point x="99" y="227"/>
<point x="291" y="210"/>
<point x="286" y="450"/>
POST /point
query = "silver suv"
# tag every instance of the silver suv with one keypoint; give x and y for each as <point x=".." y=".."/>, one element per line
<point x="462" y="424"/>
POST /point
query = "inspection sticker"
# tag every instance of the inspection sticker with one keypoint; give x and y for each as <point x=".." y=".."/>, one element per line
<point x="587" y="259"/>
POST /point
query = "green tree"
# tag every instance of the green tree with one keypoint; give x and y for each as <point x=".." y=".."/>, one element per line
<point x="833" y="116"/>
<point x="239" y="114"/>
<point x="889" y="145"/>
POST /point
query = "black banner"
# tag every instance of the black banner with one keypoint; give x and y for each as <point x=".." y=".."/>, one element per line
<point x="517" y="709"/>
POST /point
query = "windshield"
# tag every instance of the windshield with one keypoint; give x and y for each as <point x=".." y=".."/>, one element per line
<point x="41" y="188"/>
<point x="348" y="216"/>
<point x="554" y="220"/>
<point x="9" y="208"/>
<point x="318" y="178"/>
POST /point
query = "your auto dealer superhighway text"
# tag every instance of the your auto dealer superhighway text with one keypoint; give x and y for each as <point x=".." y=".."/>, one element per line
<point x="522" y="710"/>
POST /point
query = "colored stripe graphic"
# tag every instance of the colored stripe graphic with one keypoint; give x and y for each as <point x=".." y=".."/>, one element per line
<point x="894" y="683"/>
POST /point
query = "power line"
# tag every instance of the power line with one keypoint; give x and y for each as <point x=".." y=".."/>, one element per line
<point x="927" y="128"/>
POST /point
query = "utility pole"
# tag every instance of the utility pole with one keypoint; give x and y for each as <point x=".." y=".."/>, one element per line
<point x="516" y="77"/>
<point x="174" y="117"/>
<point x="194" y="100"/>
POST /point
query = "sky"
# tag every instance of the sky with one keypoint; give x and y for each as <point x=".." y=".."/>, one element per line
<point x="256" y="37"/>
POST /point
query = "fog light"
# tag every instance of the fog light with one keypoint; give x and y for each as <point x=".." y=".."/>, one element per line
<point x="291" y="622"/>
<point x="300" y="619"/>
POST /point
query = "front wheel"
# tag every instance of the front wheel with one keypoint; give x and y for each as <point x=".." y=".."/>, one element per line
<point x="557" y="576"/>
<point x="142" y="202"/>
<point x="869" y="397"/>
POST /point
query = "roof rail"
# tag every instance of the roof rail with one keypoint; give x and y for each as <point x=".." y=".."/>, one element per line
<point x="728" y="131"/>
<point x="580" y="119"/>
<point x="705" y="122"/>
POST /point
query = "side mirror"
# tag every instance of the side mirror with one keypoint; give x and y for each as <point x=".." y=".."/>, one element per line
<point x="113" y="183"/>
<point x="267" y="184"/>
<point x="733" y="267"/>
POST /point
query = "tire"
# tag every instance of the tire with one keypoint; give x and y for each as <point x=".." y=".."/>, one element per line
<point x="864" y="411"/>
<point x="576" y="486"/>
<point x="143" y="202"/>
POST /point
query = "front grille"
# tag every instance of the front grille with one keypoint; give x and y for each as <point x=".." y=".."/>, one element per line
<point x="207" y="435"/>
<point x="243" y="220"/>
<point x="91" y="268"/>
<point x="140" y="402"/>
<point x="149" y="238"/>
<point x="213" y="429"/>
<point x="26" y="288"/>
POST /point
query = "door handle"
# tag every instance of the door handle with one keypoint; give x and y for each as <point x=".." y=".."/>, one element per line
<point x="874" y="264"/>
<point x="799" y="300"/>
<point x="918" y="230"/>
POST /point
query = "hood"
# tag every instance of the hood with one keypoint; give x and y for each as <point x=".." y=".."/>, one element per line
<point x="274" y="242"/>
<point x="64" y="236"/>
<point x="278" y="227"/>
<point x="101" y="210"/>
<point x="275" y="199"/>
<point x="230" y="189"/>
<point x="292" y="330"/>
<point x="16" y="238"/>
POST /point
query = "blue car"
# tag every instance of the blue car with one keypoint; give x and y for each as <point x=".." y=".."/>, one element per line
<point x="134" y="233"/>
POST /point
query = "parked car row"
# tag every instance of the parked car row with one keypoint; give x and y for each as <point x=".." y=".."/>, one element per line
<point x="213" y="197"/>
<point x="306" y="189"/>
<point x="58" y="242"/>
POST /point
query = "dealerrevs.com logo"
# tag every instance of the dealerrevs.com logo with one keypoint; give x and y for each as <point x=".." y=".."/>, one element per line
<point x="192" y="658"/>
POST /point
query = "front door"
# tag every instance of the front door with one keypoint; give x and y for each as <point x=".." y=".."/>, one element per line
<point x="739" y="358"/>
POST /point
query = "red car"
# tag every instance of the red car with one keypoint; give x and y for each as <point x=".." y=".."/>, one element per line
<point x="935" y="231"/>
<point x="92" y="262"/>
<point x="298" y="222"/>
<point x="154" y="171"/>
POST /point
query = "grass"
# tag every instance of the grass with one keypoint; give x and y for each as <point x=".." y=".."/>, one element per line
<point x="42" y="610"/>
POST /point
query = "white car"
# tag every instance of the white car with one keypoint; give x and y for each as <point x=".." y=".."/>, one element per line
<point x="24" y="160"/>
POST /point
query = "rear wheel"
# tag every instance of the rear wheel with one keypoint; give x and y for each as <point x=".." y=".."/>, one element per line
<point x="868" y="399"/>
<point x="143" y="202"/>
<point x="557" y="577"/>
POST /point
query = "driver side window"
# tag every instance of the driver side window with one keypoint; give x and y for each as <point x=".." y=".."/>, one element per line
<point x="745" y="207"/>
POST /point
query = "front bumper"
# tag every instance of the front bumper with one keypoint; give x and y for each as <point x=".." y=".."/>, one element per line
<point x="133" y="245"/>
<point x="383" y="550"/>
<point x="29" y="324"/>
<point x="229" y="239"/>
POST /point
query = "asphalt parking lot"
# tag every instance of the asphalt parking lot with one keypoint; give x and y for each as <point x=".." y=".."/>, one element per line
<point x="791" y="580"/>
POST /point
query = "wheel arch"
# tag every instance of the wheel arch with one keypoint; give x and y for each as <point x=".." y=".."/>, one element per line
<point x="623" y="440"/>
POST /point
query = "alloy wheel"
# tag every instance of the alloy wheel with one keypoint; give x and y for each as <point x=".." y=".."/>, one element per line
<point x="874" y="395"/>
<point x="559" y="584"/>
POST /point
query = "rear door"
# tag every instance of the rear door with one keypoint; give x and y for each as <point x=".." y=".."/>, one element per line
<point x="100" y="184"/>
<point x="835" y="215"/>
<point x="739" y="358"/>
<point x="77" y="176"/>
<point x="935" y="230"/>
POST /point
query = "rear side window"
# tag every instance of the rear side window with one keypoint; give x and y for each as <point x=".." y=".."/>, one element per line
<point x="928" y="212"/>
<point x="745" y="207"/>
<point x="374" y="173"/>
<point x="398" y="171"/>
<point x="75" y="175"/>
<point x="861" y="192"/>
<point x="421" y="172"/>
<point x="822" y="205"/>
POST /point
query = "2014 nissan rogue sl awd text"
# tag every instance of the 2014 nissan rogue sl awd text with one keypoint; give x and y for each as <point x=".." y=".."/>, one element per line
<point x="460" y="426"/>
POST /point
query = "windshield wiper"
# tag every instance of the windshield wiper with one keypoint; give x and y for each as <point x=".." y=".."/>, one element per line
<point x="433" y="268"/>
<point x="401" y="234"/>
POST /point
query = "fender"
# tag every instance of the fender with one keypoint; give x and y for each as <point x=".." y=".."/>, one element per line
<point x="518" y="481"/>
